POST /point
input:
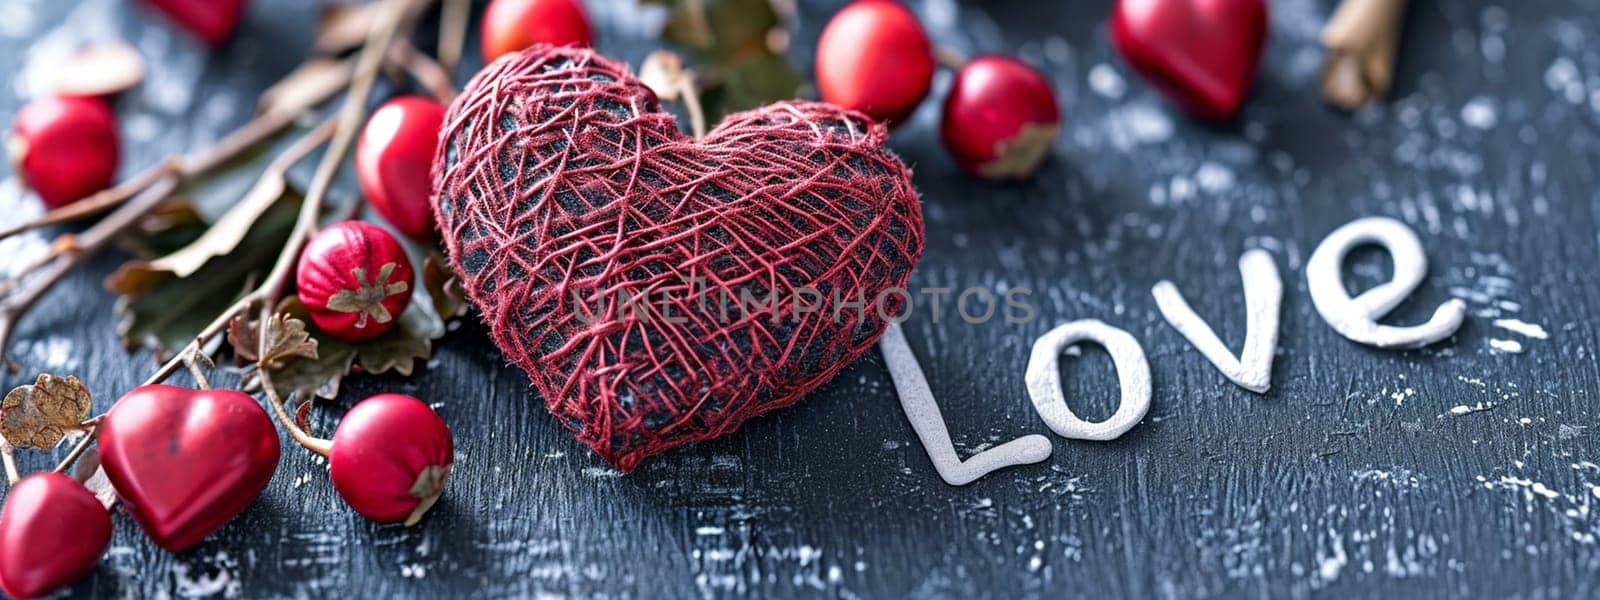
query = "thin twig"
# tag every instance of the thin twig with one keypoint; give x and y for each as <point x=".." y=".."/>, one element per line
<point x="100" y="201"/>
<point x="97" y="236"/>
<point x="453" y="17"/>
<point x="428" y="72"/>
<point x="351" y="117"/>
<point x="79" y="448"/>
<point x="8" y="455"/>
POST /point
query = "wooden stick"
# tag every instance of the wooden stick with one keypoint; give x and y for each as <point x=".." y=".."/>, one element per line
<point x="1362" y="37"/>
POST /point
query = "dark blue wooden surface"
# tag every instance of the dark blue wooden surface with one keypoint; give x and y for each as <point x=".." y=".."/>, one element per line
<point x="1463" y="469"/>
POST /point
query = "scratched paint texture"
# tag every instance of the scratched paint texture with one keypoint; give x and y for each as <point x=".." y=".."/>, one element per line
<point x="1469" y="468"/>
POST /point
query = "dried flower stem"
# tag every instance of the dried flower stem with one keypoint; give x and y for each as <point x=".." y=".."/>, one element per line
<point x="431" y="75"/>
<point x="351" y="117"/>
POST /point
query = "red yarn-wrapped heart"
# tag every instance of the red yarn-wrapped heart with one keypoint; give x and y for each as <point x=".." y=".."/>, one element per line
<point x="611" y="254"/>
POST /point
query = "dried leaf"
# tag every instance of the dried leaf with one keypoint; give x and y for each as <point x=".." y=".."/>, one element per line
<point x="100" y="70"/>
<point x="304" y="87"/>
<point x="286" y="338"/>
<point x="312" y="377"/>
<point x="160" y="310"/>
<point x="662" y="71"/>
<point x="221" y="238"/>
<point x="41" y="414"/>
<point x="398" y="349"/>
<point x="93" y="476"/>
<point x="737" y="45"/>
<point x="449" y="297"/>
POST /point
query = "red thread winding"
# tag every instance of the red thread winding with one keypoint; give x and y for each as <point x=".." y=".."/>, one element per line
<point x="561" y="185"/>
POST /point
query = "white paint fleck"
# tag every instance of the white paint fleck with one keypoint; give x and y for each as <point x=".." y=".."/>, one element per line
<point x="1479" y="112"/>
<point x="1462" y="409"/>
<point x="1506" y="346"/>
<point x="1533" y="330"/>
<point x="1214" y="178"/>
<point x="1106" y="81"/>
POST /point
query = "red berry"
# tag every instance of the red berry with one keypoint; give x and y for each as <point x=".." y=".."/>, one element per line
<point x="391" y="458"/>
<point x="512" y="25"/>
<point x="394" y="161"/>
<point x="1000" y="118"/>
<point x="52" y="532"/>
<point x="874" y="57"/>
<point x="355" y="279"/>
<point x="211" y="20"/>
<point x="65" y="148"/>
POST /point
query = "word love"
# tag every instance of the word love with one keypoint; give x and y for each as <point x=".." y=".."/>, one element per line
<point x="1355" y="318"/>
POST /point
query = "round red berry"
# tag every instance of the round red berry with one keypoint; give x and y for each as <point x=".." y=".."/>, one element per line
<point x="210" y="20"/>
<point x="65" y="148"/>
<point x="394" y="162"/>
<point x="355" y="280"/>
<point x="512" y="25"/>
<point x="391" y="458"/>
<point x="1000" y="118"/>
<point x="874" y="57"/>
<point x="52" y="532"/>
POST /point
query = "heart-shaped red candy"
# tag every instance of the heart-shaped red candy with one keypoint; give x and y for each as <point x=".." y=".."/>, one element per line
<point x="211" y="20"/>
<point x="1201" y="54"/>
<point x="563" y="191"/>
<point x="186" y="461"/>
<point x="52" y="532"/>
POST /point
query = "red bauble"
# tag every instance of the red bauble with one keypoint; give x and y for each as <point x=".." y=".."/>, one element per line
<point x="186" y="461"/>
<point x="391" y="458"/>
<point x="1201" y="54"/>
<point x="355" y="279"/>
<point x="1000" y="118"/>
<point x="65" y="148"/>
<point x="394" y="160"/>
<point x="874" y="57"/>
<point x="52" y="532"/>
<point x="512" y="25"/>
<point x="210" y="20"/>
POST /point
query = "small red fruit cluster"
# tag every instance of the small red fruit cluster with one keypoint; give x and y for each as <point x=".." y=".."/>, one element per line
<point x="184" y="462"/>
<point x="999" y="120"/>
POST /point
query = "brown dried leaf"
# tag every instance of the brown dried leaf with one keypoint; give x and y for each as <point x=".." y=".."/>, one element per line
<point x="662" y="71"/>
<point x="312" y="81"/>
<point x="100" y="70"/>
<point x="286" y="338"/>
<point x="307" y="376"/>
<point x="93" y="476"/>
<point x="444" y="286"/>
<point x="409" y="340"/>
<point x="220" y="239"/>
<point x="40" y="415"/>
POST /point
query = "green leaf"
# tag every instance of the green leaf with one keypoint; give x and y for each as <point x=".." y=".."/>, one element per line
<point x="409" y="340"/>
<point x="728" y="41"/>
<point x="162" y="311"/>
